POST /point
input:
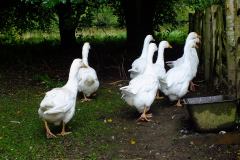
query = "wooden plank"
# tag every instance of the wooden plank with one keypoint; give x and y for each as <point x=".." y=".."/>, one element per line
<point x="230" y="45"/>
<point x="237" y="45"/>
<point x="206" y="41"/>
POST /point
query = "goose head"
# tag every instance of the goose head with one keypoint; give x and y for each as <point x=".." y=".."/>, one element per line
<point x="151" y="49"/>
<point x="148" y="39"/>
<point x="73" y="75"/>
<point x="192" y="35"/>
<point x="85" y="50"/>
<point x="164" y="44"/>
<point x="197" y="41"/>
<point x="75" y="66"/>
<point x="86" y="46"/>
<point x="192" y="43"/>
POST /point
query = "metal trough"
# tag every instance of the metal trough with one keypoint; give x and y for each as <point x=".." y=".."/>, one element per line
<point x="212" y="113"/>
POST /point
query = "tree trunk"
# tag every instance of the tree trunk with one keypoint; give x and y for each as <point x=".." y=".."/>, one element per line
<point x="139" y="22"/>
<point x="67" y="25"/>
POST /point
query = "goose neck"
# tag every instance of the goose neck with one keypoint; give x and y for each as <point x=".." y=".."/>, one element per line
<point x="160" y="58"/>
<point x="72" y="82"/>
<point x="144" y="50"/>
<point x="85" y="56"/>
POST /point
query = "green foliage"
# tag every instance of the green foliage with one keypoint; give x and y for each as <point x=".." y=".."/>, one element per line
<point x="11" y="36"/>
<point x="24" y="16"/>
<point x="173" y="35"/>
<point x="103" y="17"/>
<point x="202" y="4"/>
<point x="165" y="13"/>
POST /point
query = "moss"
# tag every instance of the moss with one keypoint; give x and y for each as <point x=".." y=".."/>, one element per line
<point x="214" y="116"/>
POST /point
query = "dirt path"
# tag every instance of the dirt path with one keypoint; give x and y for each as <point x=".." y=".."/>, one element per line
<point x="168" y="136"/>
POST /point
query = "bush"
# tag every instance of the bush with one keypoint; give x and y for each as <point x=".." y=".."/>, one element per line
<point x="103" y="17"/>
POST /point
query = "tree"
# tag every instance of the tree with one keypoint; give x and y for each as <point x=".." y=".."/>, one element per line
<point x="142" y="17"/>
<point x="24" y="16"/>
<point x="69" y="14"/>
<point x="139" y="20"/>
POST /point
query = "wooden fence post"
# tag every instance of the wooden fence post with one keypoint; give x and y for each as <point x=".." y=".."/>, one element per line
<point x="237" y="45"/>
<point x="230" y="46"/>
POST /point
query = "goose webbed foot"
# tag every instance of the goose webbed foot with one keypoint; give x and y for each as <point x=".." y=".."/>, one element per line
<point x="158" y="97"/>
<point x="85" y="99"/>
<point x="144" y="116"/>
<point x="64" y="133"/>
<point x="178" y="104"/>
<point x="49" y="134"/>
<point x="192" y="86"/>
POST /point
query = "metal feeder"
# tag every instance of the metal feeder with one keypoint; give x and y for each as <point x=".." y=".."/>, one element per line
<point x="212" y="113"/>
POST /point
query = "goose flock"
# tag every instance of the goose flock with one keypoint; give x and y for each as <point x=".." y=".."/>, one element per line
<point x="147" y="80"/>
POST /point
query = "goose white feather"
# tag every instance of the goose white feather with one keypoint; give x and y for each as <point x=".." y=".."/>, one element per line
<point x="191" y="36"/>
<point x="141" y="90"/>
<point x="139" y="64"/>
<point x="158" y="66"/>
<point x="58" y="105"/>
<point x="88" y="80"/>
<point x="193" y="58"/>
<point x="177" y="78"/>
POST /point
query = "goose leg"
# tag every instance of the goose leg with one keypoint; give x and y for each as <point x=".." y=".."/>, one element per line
<point x="144" y="116"/>
<point x="157" y="96"/>
<point x="63" y="133"/>
<point x="85" y="98"/>
<point x="178" y="104"/>
<point x="192" y="86"/>
<point x="49" y="134"/>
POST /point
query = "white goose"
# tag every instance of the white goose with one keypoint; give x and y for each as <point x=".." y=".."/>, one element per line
<point x="177" y="78"/>
<point x="88" y="80"/>
<point x="158" y="66"/>
<point x="194" y="58"/>
<point x="141" y="90"/>
<point x="58" y="104"/>
<point x="191" y="36"/>
<point x="139" y="64"/>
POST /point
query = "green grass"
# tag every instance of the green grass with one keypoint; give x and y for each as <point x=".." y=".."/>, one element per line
<point x="86" y="34"/>
<point x="93" y="34"/>
<point x="102" y="34"/>
<point x="22" y="135"/>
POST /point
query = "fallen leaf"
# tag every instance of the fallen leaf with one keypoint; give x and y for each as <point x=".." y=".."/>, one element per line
<point x="109" y="120"/>
<point x="17" y="122"/>
<point x="132" y="141"/>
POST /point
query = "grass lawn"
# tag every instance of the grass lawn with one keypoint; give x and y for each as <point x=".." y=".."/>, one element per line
<point x="22" y="134"/>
